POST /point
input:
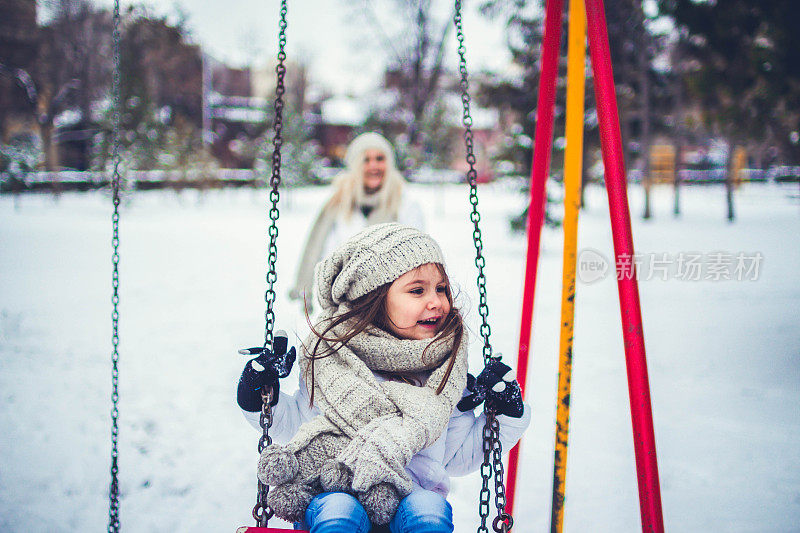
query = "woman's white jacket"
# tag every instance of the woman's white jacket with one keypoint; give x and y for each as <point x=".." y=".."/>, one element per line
<point x="410" y="214"/>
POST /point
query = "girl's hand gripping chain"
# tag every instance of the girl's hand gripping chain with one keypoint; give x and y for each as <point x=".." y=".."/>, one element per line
<point x="497" y="385"/>
<point x="263" y="372"/>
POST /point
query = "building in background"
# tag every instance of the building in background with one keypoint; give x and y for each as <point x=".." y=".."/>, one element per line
<point x="20" y="135"/>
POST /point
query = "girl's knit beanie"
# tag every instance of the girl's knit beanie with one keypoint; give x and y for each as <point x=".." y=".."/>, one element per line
<point x="377" y="255"/>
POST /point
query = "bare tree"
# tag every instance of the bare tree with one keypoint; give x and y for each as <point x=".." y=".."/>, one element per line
<point x="414" y="40"/>
<point x="72" y="70"/>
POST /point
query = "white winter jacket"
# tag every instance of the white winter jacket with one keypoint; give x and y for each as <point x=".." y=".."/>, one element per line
<point x="409" y="213"/>
<point x="457" y="452"/>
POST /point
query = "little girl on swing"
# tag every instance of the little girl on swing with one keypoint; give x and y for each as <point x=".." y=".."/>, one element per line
<point x="384" y="412"/>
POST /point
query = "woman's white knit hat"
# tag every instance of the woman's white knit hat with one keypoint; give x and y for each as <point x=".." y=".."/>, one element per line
<point x="354" y="157"/>
<point x="377" y="255"/>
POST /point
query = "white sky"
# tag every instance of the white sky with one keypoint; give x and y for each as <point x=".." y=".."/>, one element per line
<point x="337" y="39"/>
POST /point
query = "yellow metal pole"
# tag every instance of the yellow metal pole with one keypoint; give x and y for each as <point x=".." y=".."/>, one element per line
<point x="573" y="161"/>
<point x="739" y="162"/>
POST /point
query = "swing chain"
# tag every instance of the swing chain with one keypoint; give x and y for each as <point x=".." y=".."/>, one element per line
<point x="492" y="449"/>
<point x="503" y="522"/>
<point x="261" y="512"/>
<point x="486" y="473"/>
<point x="472" y="177"/>
<point x="275" y="179"/>
<point x="113" y="493"/>
<point x="493" y="465"/>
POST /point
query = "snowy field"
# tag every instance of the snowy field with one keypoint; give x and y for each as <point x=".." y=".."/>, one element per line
<point x="724" y="358"/>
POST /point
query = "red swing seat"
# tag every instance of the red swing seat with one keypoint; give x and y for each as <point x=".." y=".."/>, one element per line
<point x="249" y="529"/>
<point x="246" y="529"/>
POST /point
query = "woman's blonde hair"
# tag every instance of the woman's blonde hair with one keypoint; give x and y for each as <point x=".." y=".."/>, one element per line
<point x="349" y="184"/>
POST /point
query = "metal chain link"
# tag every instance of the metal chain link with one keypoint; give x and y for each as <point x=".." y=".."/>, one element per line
<point x="113" y="493"/>
<point x="275" y="179"/>
<point x="492" y="465"/>
<point x="492" y="450"/>
<point x="503" y="522"/>
<point x="486" y="473"/>
<point x="472" y="177"/>
<point x="261" y="512"/>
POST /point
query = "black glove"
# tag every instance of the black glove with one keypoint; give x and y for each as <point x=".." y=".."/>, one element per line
<point x="263" y="372"/>
<point x="496" y="385"/>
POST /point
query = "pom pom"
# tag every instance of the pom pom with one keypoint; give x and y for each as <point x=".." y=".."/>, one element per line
<point x="290" y="501"/>
<point x="277" y="465"/>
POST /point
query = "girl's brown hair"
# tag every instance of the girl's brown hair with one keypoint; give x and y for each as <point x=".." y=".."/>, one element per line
<point x="370" y="310"/>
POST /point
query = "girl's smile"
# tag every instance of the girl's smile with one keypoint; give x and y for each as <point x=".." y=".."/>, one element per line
<point x="432" y="322"/>
<point x="417" y="303"/>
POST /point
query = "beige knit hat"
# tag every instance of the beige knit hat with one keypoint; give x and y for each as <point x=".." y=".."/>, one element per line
<point x="354" y="157"/>
<point x="377" y="255"/>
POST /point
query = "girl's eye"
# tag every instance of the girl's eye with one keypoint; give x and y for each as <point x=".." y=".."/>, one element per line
<point x="441" y="289"/>
<point x="417" y="290"/>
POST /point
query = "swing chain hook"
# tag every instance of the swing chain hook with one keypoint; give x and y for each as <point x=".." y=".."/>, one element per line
<point x="261" y="512"/>
<point x="275" y="178"/>
<point x="472" y="178"/>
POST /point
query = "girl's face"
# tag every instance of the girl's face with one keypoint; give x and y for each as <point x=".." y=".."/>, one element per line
<point x="417" y="303"/>
<point x="374" y="169"/>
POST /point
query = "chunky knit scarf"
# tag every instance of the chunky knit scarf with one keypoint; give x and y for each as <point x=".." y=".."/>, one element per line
<point x="367" y="430"/>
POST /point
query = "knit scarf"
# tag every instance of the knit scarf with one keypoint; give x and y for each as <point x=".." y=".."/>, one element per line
<point x="322" y="227"/>
<point x="368" y="430"/>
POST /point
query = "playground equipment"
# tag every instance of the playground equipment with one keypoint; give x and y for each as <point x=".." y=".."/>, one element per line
<point x="608" y="118"/>
<point x="644" y="440"/>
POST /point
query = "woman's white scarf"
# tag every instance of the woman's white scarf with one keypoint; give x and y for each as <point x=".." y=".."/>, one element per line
<point x="377" y="213"/>
<point x="368" y="430"/>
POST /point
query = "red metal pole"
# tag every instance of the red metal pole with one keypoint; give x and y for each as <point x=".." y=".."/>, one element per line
<point x="638" y="387"/>
<point x="539" y="170"/>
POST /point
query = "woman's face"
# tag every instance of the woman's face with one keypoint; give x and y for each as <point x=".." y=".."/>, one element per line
<point x="417" y="303"/>
<point x="374" y="169"/>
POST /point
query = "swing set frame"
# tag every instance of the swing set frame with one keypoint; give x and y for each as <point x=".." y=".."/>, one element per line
<point x="593" y="23"/>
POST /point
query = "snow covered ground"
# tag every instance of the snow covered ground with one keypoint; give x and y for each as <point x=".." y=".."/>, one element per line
<point x="724" y="358"/>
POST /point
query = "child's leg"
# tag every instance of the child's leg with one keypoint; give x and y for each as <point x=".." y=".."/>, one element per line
<point x="336" y="512"/>
<point x="423" y="511"/>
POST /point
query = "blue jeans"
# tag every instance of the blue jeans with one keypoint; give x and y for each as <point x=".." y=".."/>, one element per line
<point x="422" y="511"/>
